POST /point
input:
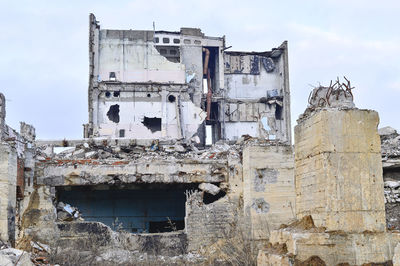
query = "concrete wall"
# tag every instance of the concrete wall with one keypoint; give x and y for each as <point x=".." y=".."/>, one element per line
<point x="268" y="188"/>
<point x="179" y="118"/>
<point x="257" y="96"/>
<point x="339" y="170"/>
<point x="131" y="55"/>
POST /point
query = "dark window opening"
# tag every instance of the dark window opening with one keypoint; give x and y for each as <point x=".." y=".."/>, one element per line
<point x="278" y="112"/>
<point x="112" y="76"/>
<point x="122" y="133"/>
<point x="142" y="208"/>
<point x="177" y="41"/>
<point x="209" y="198"/>
<point x="113" y="113"/>
<point x="108" y="94"/>
<point x="166" y="226"/>
<point x="165" y="40"/>
<point x="172" y="52"/>
<point x="148" y="95"/>
<point x="213" y="62"/>
<point x="154" y="123"/>
<point x="163" y="51"/>
<point x="171" y="98"/>
<point x="116" y="93"/>
<point x="213" y="112"/>
<point x="156" y="40"/>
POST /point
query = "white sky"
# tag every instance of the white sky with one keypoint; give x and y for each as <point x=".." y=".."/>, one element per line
<point x="44" y="49"/>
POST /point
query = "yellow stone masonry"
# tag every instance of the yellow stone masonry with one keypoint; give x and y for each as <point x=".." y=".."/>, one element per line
<point x="339" y="170"/>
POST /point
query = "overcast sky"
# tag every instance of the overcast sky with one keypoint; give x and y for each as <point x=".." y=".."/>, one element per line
<point x="44" y="49"/>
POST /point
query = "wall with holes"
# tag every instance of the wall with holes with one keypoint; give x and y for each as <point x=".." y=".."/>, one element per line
<point x="147" y="115"/>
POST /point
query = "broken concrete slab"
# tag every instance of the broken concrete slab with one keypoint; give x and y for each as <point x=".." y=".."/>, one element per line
<point x="209" y="188"/>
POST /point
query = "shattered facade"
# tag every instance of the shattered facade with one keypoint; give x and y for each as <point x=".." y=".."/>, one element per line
<point x="174" y="85"/>
<point x="187" y="158"/>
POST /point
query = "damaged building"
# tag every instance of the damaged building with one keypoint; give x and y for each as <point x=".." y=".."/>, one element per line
<point x="179" y="85"/>
<point x="187" y="158"/>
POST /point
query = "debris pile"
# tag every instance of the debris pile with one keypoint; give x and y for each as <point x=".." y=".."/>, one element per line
<point x="66" y="212"/>
<point x="390" y="142"/>
<point x="392" y="191"/>
<point x="337" y="95"/>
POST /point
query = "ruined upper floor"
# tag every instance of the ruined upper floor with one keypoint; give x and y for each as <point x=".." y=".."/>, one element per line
<point x="147" y="84"/>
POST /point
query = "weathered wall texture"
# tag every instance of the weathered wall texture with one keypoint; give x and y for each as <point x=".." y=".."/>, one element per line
<point x="268" y="188"/>
<point x="341" y="247"/>
<point x="8" y="192"/>
<point x="339" y="170"/>
<point x="208" y="223"/>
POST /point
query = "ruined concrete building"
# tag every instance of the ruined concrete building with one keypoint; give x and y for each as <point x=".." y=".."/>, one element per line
<point x="187" y="159"/>
<point x="176" y="85"/>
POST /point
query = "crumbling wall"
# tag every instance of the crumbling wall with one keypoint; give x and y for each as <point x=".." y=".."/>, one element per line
<point x="208" y="223"/>
<point x="132" y="57"/>
<point x="268" y="187"/>
<point x="159" y="112"/>
<point x="257" y="95"/>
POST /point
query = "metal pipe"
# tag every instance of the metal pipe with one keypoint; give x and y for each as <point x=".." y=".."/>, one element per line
<point x="209" y="94"/>
<point x="206" y="71"/>
<point x="206" y="58"/>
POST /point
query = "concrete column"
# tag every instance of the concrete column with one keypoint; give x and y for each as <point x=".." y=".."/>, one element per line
<point x="338" y="170"/>
<point x="8" y="193"/>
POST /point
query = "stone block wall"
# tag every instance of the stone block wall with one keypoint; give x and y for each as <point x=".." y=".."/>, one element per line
<point x="339" y="170"/>
<point x="268" y="187"/>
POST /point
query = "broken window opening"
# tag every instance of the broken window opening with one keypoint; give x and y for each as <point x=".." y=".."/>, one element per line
<point x="278" y="112"/>
<point x="209" y="198"/>
<point x="213" y="66"/>
<point x="116" y="93"/>
<point x="171" y="98"/>
<point x="152" y="123"/>
<point x="209" y="138"/>
<point x="205" y="87"/>
<point x="113" y="113"/>
<point x="122" y="133"/>
<point x="144" y="208"/>
<point x="112" y="76"/>
<point x="214" y="111"/>
<point x="108" y="94"/>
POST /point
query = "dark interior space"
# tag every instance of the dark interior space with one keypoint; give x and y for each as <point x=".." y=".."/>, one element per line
<point x="113" y="113"/>
<point x="144" y="209"/>
<point x="152" y="123"/>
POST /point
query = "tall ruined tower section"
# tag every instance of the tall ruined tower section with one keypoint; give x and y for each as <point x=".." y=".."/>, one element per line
<point x="339" y="170"/>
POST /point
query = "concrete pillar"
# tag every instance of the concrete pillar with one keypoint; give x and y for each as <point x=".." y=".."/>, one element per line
<point x="268" y="188"/>
<point x="338" y="170"/>
<point x="8" y="193"/>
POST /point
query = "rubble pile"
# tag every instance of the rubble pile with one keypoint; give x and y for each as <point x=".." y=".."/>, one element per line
<point x="392" y="191"/>
<point x="14" y="257"/>
<point x="390" y="142"/>
<point x="66" y="212"/>
<point x="150" y="151"/>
